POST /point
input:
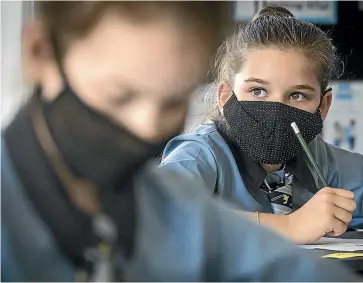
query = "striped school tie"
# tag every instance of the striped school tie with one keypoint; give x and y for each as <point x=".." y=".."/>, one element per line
<point x="279" y="192"/>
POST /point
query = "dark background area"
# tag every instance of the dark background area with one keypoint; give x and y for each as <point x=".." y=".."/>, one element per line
<point x="347" y="36"/>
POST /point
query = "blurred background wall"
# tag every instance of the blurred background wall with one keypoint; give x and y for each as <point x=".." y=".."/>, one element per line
<point x="343" y="20"/>
<point x="13" y="91"/>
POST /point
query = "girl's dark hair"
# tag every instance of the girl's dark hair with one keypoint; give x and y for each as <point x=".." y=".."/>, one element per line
<point x="276" y="27"/>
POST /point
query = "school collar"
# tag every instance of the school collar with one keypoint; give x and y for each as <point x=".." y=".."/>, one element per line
<point x="253" y="174"/>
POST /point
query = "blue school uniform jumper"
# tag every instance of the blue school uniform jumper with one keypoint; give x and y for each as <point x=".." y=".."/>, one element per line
<point x="208" y="156"/>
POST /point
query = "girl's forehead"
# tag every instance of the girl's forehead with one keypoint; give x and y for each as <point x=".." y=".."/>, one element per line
<point x="273" y="66"/>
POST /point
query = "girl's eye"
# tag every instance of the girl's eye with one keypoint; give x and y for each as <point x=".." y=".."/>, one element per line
<point x="258" y="92"/>
<point x="298" y="96"/>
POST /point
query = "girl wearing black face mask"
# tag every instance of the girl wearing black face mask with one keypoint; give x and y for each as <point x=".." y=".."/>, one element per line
<point x="272" y="72"/>
<point x="78" y="200"/>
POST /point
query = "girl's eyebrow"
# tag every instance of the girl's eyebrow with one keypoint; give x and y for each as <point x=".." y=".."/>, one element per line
<point x="255" y="80"/>
<point x="260" y="81"/>
<point x="308" y="87"/>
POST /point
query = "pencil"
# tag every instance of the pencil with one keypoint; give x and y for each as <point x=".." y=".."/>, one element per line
<point x="308" y="153"/>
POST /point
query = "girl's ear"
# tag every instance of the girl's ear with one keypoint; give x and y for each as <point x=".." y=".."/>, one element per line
<point x="36" y="51"/>
<point x="325" y="104"/>
<point x="224" y="92"/>
<point x="39" y="65"/>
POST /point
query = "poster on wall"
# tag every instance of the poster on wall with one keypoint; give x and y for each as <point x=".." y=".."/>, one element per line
<point x="317" y="12"/>
<point x="344" y="125"/>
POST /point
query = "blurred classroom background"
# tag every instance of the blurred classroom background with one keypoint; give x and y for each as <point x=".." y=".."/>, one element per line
<point x="343" y="20"/>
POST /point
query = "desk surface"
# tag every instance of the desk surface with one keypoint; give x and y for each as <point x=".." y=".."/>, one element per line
<point x="352" y="235"/>
<point x="355" y="263"/>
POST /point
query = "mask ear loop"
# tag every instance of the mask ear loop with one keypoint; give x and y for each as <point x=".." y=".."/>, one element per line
<point x="57" y="57"/>
<point x="82" y="193"/>
<point x="327" y="90"/>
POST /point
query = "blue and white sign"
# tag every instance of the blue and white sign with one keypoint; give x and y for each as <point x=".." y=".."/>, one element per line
<point x="343" y="126"/>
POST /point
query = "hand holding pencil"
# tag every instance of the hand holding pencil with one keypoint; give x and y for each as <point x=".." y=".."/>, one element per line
<point x="328" y="212"/>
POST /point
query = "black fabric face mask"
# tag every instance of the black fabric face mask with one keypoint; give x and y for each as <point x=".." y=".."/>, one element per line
<point x="262" y="129"/>
<point x="94" y="147"/>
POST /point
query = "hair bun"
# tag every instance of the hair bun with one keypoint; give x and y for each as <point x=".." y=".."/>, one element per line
<point x="273" y="11"/>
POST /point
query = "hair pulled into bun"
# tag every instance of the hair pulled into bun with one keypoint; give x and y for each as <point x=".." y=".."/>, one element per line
<point x="273" y="11"/>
